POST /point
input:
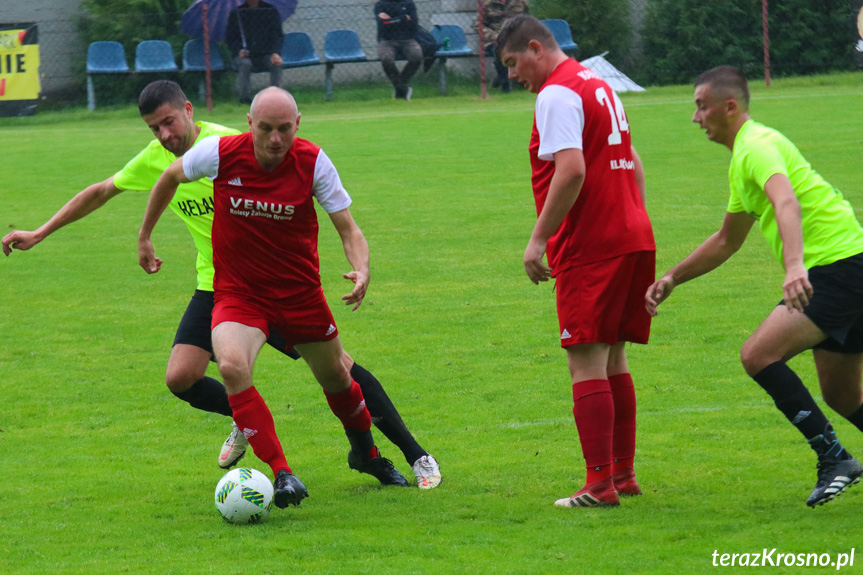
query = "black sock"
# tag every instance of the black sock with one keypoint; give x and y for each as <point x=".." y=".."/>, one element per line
<point x="207" y="394"/>
<point x="857" y="418"/>
<point x="792" y="398"/>
<point x="384" y="414"/>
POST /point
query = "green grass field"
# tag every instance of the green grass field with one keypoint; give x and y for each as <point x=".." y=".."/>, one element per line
<point x="105" y="472"/>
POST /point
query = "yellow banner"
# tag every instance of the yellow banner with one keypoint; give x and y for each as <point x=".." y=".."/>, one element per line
<point x="19" y="67"/>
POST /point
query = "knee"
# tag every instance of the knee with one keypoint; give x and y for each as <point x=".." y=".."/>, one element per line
<point x="753" y="359"/>
<point x="181" y="378"/>
<point x="232" y="370"/>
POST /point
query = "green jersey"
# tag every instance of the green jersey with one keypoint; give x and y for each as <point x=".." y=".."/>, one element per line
<point x="831" y="231"/>
<point x="193" y="202"/>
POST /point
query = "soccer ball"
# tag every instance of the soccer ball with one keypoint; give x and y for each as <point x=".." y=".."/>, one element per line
<point x="244" y="495"/>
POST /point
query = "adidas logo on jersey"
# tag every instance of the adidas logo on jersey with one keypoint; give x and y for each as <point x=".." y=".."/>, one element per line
<point x="331" y="330"/>
<point x="565" y="334"/>
<point x="235" y="182"/>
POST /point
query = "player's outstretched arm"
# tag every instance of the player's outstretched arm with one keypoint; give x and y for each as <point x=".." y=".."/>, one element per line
<point x="160" y="197"/>
<point x="87" y="200"/>
<point x="357" y="253"/>
<point x="705" y="258"/>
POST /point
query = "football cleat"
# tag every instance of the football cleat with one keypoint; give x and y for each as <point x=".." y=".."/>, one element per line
<point x="288" y="489"/>
<point x="625" y="483"/>
<point x="427" y="472"/>
<point x="233" y="449"/>
<point x="834" y="477"/>
<point x="597" y="494"/>
<point x="380" y="468"/>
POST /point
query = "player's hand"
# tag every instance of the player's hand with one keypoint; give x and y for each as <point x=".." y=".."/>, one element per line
<point x="19" y="240"/>
<point x="658" y="293"/>
<point x="243" y="53"/>
<point x="361" y="284"/>
<point x="536" y="270"/>
<point x="276" y="59"/>
<point x="147" y="257"/>
<point x="383" y="16"/>
<point x="796" y="291"/>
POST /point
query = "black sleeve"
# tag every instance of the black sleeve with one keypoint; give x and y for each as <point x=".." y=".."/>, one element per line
<point x="232" y="35"/>
<point x="414" y="21"/>
<point x="278" y="37"/>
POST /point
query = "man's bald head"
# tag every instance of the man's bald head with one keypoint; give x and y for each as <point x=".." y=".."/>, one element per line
<point x="273" y="99"/>
<point x="273" y="121"/>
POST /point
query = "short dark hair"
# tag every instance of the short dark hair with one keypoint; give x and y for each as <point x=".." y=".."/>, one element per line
<point x="728" y="81"/>
<point x="158" y="93"/>
<point x="518" y="31"/>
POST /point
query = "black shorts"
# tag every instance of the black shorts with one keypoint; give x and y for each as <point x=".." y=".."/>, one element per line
<point x="195" y="327"/>
<point x="836" y="306"/>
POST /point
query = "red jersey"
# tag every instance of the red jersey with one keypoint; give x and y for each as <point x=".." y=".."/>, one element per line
<point x="265" y="229"/>
<point x="575" y="108"/>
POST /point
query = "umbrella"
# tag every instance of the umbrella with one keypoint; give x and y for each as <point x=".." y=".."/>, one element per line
<point x="192" y="22"/>
<point x="208" y="19"/>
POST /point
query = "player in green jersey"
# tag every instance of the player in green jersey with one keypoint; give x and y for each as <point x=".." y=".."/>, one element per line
<point x="169" y="115"/>
<point x="814" y="233"/>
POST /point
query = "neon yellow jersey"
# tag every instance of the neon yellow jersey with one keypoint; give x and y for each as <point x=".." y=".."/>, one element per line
<point x="831" y="231"/>
<point x="193" y="202"/>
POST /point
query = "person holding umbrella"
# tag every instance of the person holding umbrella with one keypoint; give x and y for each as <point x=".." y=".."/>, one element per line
<point x="255" y="37"/>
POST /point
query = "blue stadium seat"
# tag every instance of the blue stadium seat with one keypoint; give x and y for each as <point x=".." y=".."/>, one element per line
<point x="106" y="58"/>
<point x="103" y="58"/>
<point x="453" y="44"/>
<point x="343" y="46"/>
<point x="562" y="34"/>
<point x="155" y="56"/>
<point x="340" y="47"/>
<point x="452" y="40"/>
<point x="298" y="51"/>
<point x="193" y="56"/>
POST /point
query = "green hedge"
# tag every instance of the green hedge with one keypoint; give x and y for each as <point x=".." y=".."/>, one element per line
<point x="685" y="37"/>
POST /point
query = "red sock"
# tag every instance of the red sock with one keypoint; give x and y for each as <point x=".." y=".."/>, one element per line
<point x="593" y="409"/>
<point x="623" y="446"/>
<point x="350" y="407"/>
<point x="254" y="419"/>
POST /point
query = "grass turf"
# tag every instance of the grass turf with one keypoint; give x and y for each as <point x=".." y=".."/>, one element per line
<point x="105" y="472"/>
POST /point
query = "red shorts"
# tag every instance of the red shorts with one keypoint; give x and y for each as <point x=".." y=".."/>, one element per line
<point x="304" y="322"/>
<point x="603" y="302"/>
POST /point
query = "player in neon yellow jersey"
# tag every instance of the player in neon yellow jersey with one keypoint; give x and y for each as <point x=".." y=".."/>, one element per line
<point x="814" y="233"/>
<point x="169" y="115"/>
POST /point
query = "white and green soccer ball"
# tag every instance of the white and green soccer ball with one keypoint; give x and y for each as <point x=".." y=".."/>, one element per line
<point x="244" y="495"/>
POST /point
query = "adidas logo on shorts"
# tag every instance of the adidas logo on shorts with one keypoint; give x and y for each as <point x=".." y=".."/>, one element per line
<point x="565" y="334"/>
<point x="331" y="330"/>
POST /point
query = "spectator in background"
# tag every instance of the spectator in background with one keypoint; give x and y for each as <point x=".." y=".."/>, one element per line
<point x="494" y="12"/>
<point x="255" y="37"/>
<point x="397" y="26"/>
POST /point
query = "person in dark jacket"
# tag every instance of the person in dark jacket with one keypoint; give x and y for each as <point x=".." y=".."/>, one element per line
<point x="255" y="37"/>
<point x="397" y="25"/>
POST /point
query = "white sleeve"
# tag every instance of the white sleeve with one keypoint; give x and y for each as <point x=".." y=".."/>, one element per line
<point x="203" y="159"/>
<point x="559" y="120"/>
<point x="327" y="187"/>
